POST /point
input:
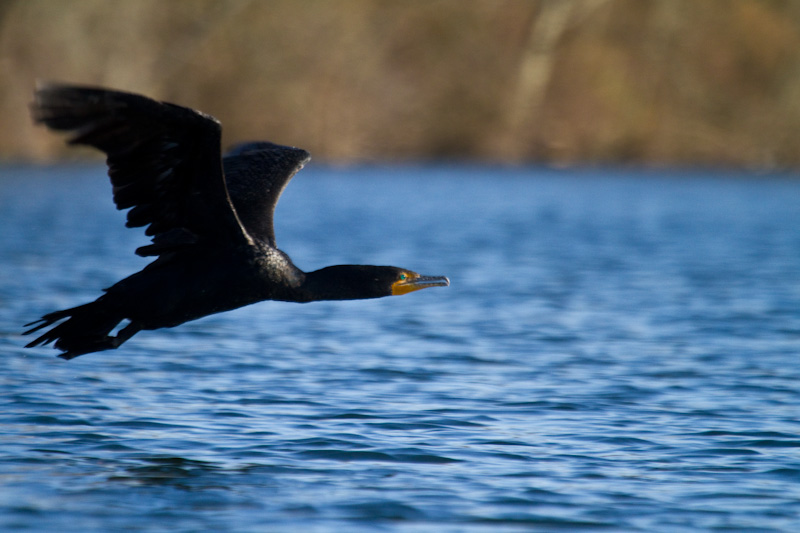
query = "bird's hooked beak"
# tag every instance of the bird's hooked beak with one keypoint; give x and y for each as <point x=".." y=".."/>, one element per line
<point x="411" y="281"/>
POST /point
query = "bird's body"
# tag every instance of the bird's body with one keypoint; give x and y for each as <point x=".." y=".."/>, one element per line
<point x="211" y="219"/>
<point x="201" y="282"/>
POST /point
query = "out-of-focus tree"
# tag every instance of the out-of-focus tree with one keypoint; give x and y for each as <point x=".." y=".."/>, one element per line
<point x="665" y="82"/>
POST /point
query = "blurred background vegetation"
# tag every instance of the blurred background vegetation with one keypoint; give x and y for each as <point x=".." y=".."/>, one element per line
<point x="650" y="82"/>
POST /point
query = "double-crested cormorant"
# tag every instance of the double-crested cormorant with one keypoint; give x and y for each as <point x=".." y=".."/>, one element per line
<point x="210" y="219"/>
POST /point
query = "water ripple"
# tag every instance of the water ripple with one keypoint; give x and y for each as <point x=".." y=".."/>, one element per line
<point x="613" y="354"/>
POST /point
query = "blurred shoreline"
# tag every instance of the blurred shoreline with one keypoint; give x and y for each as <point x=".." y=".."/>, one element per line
<point x="562" y="83"/>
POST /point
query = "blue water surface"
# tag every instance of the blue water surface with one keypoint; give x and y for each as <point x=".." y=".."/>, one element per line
<point x="618" y="351"/>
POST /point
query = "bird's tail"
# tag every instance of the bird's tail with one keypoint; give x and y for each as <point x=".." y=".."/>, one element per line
<point x="86" y="329"/>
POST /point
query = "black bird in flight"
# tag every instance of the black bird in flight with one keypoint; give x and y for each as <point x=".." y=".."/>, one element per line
<point x="209" y="216"/>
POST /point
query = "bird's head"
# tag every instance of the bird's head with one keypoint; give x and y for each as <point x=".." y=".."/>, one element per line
<point x="354" y="282"/>
<point x="405" y="281"/>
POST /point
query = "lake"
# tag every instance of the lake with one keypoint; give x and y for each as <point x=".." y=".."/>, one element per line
<point x="617" y="351"/>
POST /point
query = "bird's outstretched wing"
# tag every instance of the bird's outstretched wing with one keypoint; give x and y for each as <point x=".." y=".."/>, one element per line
<point x="256" y="173"/>
<point x="164" y="162"/>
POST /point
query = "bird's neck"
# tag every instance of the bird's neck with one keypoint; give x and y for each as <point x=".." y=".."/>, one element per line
<point x="341" y="282"/>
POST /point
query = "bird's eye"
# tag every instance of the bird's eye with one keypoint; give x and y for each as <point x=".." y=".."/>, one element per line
<point x="403" y="276"/>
